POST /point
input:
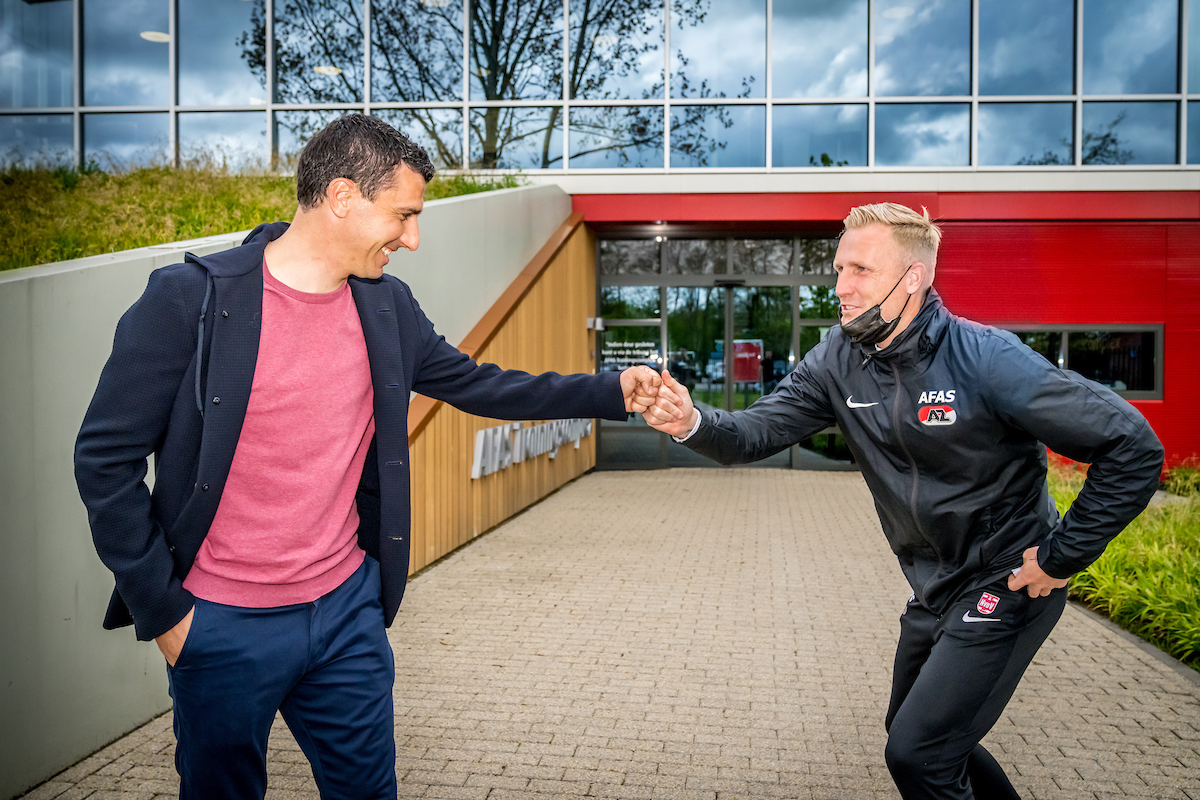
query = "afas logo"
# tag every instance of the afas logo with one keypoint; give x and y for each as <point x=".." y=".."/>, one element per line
<point x="937" y="396"/>
<point x="937" y="415"/>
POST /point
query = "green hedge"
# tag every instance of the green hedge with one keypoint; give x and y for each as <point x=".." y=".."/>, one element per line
<point x="1148" y="580"/>
<point x="55" y="214"/>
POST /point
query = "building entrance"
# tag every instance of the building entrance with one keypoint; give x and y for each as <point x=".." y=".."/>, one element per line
<point x="730" y="317"/>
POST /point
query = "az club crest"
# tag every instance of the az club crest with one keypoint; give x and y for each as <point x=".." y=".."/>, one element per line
<point x="937" y="415"/>
<point x="987" y="603"/>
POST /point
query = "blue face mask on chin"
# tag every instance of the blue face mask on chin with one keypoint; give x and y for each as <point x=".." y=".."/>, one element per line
<point x="870" y="327"/>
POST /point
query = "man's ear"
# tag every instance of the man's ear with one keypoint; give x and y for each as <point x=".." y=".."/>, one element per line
<point x="914" y="281"/>
<point x="339" y="195"/>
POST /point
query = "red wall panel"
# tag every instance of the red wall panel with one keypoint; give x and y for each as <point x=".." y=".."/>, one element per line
<point x="1181" y="383"/>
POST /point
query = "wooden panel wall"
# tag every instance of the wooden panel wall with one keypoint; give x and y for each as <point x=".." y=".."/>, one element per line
<point x="539" y="325"/>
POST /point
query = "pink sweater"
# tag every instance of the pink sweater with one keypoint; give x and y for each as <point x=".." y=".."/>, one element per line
<point x="285" y="531"/>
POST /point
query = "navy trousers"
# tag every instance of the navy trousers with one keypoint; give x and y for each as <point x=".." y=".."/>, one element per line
<point x="326" y="665"/>
<point x="954" y="675"/>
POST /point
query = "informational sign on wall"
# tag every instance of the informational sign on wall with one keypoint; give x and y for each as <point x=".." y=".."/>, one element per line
<point x="501" y="447"/>
<point x="619" y="356"/>
<point x="747" y="360"/>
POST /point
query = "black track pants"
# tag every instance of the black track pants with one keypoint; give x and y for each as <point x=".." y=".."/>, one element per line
<point x="953" y="676"/>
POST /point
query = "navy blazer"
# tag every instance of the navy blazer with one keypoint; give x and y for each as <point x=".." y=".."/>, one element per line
<point x="177" y="386"/>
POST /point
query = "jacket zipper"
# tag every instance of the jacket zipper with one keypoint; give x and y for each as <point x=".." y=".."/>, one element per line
<point x="912" y="463"/>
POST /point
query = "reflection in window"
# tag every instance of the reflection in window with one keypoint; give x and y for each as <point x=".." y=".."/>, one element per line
<point x="695" y="256"/>
<point x="416" y="50"/>
<point x="815" y="256"/>
<point x="1122" y="361"/>
<point x="35" y="54"/>
<point x="125" y="141"/>
<point x="629" y="302"/>
<point x="819" y="136"/>
<point x="318" y="51"/>
<point x="293" y="129"/>
<point x="1130" y="48"/>
<point x="810" y="337"/>
<point x="616" y="136"/>
<point x="516" y="50"/>
<point x="719" y="49"/>
<point x="212" y="71"/>
<point x="819" y="48"/>
<point x="1129" y="133"/>
<point x="1026" y="133"/>
<point x="922" y="48"/>
<point x="516" y="138"/>
<point x="31" y="140"/>
<point x="125" y="46"/>
<point x="438" y="130"/>
<point x="616" y="50"/>
<point x="628" y="257"/>
<point x="1026" y="46"/>
<point x="224" y="140"/>
<point x="718" y="136"/>
<point x="1193" y="137"/>
<point x="1047" y="344"/>
<point x="922" y="135"/>
<point x="818" y="302"/>
<point x="761" y="256"/>
<point x="1193" y="45"/>
<point x="695" y="331"/>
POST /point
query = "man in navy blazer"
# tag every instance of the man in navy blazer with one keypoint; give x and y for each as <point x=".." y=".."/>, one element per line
<point x="187" y="382"/>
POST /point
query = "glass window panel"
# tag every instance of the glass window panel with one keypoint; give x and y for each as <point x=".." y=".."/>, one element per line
<point x="234" y="140"/>
<point x="125" y="46"/>
<point x="922" y="135"/>
<point x="762" y="329"/>
<point x="125" y="141"/>
<point x="318" y="51"/>
<point x="1026" y="46"/>
<point x="819" y="48"/>
<point x="516" y="50"/>
<point x="761" y="256"/>
<point x="1193" y="45"/>
<point x="222" y="53"/>
<point x="629" y="302"/>
<point x="516" y="138"/>
<point x="695" y="256"/>
<point x="695" y="332"/>
<point x="922" y="48"/>
<point x="617" y="136"/>
<point x="1047" y="344"/>
<point x="1129" y="133"/>
<point x="625" y="346"/>
<point x="1122" y="361"/>
<point x="416" y="50"/>
<point x="293" y="129"/>
<point x="628" y="257"/>
<point x="819" y="136"/>
<point x="1193" y="137"/>
<point x="718" y="136"/>
<point x="438" y="130"/>
<point x="1130" y="48"/>
<point x="1026" y="133"/>
<point x="617" y="50"/>
<point x="818" y="302"/>
<point x="35" y="54"/>
<point x="30" y="140"/>
<point x="815" y="256"/>
<point x="719" y="49"/>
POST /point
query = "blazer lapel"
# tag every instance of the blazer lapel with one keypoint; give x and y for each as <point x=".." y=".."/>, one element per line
<point x="381" y="331"/>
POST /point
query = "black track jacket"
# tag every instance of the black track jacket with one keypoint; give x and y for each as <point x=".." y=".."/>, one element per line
<point x="948" y="425"/>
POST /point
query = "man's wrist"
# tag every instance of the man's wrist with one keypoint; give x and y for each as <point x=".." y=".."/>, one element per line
<point x="695" y="426"/>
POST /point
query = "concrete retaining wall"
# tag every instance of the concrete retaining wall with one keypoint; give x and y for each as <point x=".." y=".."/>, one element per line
<point x="67" y="687"/>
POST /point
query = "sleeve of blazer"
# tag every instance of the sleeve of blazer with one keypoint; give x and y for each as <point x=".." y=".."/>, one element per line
<point x="445" y="373"/>
<point x="797" y="409"/>
<point x="1084" y="421"/>
<point x="127" y="419"/>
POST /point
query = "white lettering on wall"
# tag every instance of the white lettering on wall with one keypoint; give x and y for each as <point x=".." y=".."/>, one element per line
<point x="505" y="445"/>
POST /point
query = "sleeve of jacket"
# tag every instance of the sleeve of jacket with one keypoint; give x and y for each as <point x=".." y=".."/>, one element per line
<point x="124" y="424"/>
<point x="443" y="372"/>
<point x="1087" y="422"/>
<point x="794" y="411"/>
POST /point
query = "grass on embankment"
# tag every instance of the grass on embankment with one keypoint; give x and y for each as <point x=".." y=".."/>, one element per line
<point x="1148" y="580"/>
<point x="55" y="214"/>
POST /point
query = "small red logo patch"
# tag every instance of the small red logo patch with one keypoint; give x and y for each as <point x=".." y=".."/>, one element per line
<point x="937" y="415"/>
<point x="987" y="603"/>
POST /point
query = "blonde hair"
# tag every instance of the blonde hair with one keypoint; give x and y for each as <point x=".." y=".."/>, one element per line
<point x="915" y="234"/>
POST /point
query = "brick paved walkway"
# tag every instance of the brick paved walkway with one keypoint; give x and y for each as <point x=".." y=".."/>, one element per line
<point x="702" y="634"/>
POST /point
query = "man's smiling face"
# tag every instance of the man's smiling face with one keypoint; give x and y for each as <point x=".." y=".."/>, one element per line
<point x="387" y="224"/>
<point x="868" y="265"/>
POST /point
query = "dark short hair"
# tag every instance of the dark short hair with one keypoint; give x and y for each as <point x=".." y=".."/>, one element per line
<point x="361" y="148"/>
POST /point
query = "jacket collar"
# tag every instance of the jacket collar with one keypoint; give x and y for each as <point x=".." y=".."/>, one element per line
<point x="919" y="339"/>
<point x="238" y="261"/>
